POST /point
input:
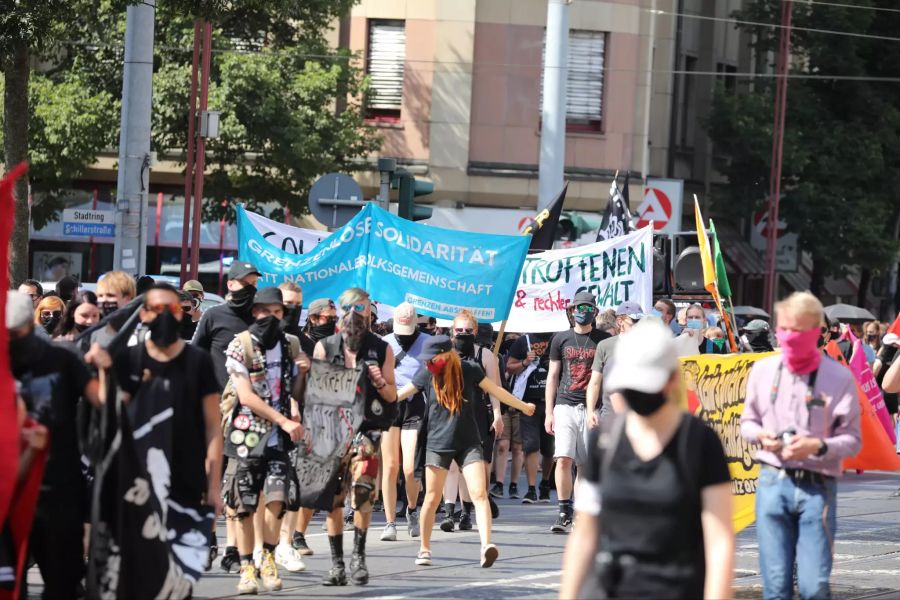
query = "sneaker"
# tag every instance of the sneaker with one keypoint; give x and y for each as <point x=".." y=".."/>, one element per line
<point x="348" y="523"/>
<point x="530" y="496"/>
<point x="465" y="522"/>
<point x="412" y="524"/>
<point x="448" y="524"/>
<point x="230" y="559"/>
<point x="268" y="572"/>
<point x="544" y="497"/>
<point x="257" y="559"/>
<point x="489" y="554"/>
<point x="563" y="524"/>
<point x="390" y="533"/>
<point x="287" y="557"/>
<point x="248" y="583"/>
<point x="514" y="491"/>
<point x="423" y="558"/>
<point x="300" y="545"/>
<point x="497" y="490"/>
<point x="495" y="510"/>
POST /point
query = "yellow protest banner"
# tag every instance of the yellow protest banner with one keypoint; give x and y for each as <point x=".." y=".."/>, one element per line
<point x="716" y="387"/>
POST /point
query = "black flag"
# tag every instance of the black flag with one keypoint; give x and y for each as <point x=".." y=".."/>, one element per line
<point x="617" y="217"/>
<point x="543" y="229"/>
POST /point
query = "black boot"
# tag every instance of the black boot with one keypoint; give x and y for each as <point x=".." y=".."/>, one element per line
<point x="337" y="575"/>
<point x="359" y="573"/>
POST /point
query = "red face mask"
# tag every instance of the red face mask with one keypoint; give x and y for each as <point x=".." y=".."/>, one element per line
<point x="436" y="367"/>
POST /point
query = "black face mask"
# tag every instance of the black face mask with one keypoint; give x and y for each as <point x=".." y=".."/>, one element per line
<point x="643" y="403"/>
<point x="23" y="352"/>
<point x="318" y="332"/>
<point x="188" y="327"/>
<point x="107" y="308"/>
<point x="292" y="315"/>
<point x="164" y="329"/>
<point x="49" y="323"/>
<point x="267" y="330"/>
<point x="242" y="300"/>
<point x="759" y="341"/>
<point x="80" y="327"/>
<point x="354" y="327"/>
<point x="406" y="341"/>
<point x="464" y="343"/>
<point x="872" y="337"/>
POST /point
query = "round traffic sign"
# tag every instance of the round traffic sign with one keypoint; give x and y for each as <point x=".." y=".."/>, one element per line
<point x="334" y="199"/>
<point x="655" y="207"/>
<point x="761" y="224"/>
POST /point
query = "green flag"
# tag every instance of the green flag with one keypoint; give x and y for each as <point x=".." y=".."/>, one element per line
<point x="719" y="260"/>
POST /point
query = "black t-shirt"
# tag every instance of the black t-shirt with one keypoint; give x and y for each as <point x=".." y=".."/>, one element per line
<point x="215" y="330"/>
<point x="186" y="379"/>
<point x="446" y="432"/>
<point x="537" y="380"/>
<point x="51" y="386"/>
<point x="307" y="345"/>
<point x="648" y="513"/>
<point x="576" y="352"/>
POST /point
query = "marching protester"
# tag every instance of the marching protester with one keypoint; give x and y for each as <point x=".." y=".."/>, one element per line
<point x="528" y="363"/>
<point x="81" y="312"/>
<point x="293" y="306"/>
<point x="114" y="291"/>
<point x="571" y="355"/>
<point x="453" y="387"/>
<point x="628" y="314"/>
<point x="166" y="374"/>
<point x="754" y="336"/>
<point x="52" y="379"/>
<point x="698" y="330"/>
<point x="48" y="314"/>
<point x="668" y="313"/>
<point x="487" y="417"/>
<point x="801" y="407"/>
<point x="66" y="288"/>
<point x="321" y="320"/>
<point x="266" y="371"/>
<point x="33" y="289"/>
<point x="398" y="444"/>
<point x="356" y="345"/>
<point x="653" y="506"/>
<point x="194" y="294"/>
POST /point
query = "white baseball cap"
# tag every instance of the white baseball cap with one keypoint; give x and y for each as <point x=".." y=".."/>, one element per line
<point x="644" y="358"/>
<point x="405" y="319"/>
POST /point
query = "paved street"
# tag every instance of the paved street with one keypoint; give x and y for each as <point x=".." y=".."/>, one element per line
<point x="867" y="556"/>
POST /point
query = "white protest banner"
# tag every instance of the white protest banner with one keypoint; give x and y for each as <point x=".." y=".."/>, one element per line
<point x="294" y="240"/>
<point x="613" y="271"/>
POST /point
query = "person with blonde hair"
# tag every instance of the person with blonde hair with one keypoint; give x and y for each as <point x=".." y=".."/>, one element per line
<point x="114" y="290"/>
<point x="450" y="433"/>
<point x="801" y="408"/>
<point x="48" y="314"/>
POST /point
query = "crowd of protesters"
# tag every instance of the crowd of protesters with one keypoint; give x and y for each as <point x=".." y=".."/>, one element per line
<point x="593" y="412"/>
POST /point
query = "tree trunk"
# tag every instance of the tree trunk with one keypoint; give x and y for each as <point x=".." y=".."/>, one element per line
<point x="865" y="278"/>
<point x="817" y="279"/>
<point x="15" y="150"/>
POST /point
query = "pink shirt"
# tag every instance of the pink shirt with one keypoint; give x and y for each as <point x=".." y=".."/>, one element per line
<point x="832" y="415"/>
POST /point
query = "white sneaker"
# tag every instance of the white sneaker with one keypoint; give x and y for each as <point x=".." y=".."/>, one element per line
<point x="288" y="558"/>
<point x="257" y="558"/>
<point x="390" y="533"/>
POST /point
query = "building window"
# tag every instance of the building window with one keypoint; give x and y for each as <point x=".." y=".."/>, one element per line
<point x="584" y="86"/>
<point x="725" y="75"/>
<point x="385" y="65"/>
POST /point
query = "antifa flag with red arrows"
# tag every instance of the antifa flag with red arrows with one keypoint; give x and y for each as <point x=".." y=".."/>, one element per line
<point x="543" y="229"/>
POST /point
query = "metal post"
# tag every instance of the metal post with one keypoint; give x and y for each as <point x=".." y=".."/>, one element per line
<point x="134" y="140"/>
<point x="784" y="43"/>
<point x="386" y="167"/>
<point x="189" y="167"/>
<point x="553" y="113"/>
<point x="651" y="47"/>
<point x="201" y="156"/>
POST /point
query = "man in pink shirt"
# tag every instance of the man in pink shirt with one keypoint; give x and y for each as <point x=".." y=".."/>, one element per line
<point x="801" y="408"/>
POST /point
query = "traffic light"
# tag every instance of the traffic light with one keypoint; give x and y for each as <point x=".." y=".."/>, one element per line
<point x="410" y="188"/>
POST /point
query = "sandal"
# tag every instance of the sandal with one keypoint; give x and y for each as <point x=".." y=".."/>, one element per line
<point x="488" y="555"/>
<point x="423" y="558"/>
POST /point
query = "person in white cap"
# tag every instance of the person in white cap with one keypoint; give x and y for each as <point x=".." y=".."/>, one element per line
<point x="407" y="343"/>
<point x="665" y="527"/>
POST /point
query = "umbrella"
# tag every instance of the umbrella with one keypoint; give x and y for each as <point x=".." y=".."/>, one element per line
<point x="750" y="311"/>
<point x="847" y="313"/>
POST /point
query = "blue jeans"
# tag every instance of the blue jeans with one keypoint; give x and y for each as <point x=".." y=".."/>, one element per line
<point x="795" y="522"/>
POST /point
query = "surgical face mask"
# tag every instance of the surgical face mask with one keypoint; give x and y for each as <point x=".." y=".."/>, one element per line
<point x="643" y="403"/>
<point x="695" y="324"/>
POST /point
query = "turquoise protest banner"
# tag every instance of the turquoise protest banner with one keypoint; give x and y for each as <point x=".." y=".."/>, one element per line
<point x="439" y="271"/>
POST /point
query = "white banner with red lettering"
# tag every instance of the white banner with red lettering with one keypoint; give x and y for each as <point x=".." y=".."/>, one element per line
<point x="613" y="271"/>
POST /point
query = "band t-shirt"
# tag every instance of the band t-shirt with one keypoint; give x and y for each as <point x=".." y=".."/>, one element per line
<point x="457" y="432"/>
<point x="537" y="380"/>
<point x="576" y="352"/>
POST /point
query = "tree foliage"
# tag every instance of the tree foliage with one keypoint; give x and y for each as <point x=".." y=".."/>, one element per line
<point x="842" y="137"/>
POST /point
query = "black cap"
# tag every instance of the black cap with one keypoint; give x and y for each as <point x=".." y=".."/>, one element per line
<point x="584" y="298"/>
<point x="435" y="345"/>
<point x="241" y="269"/>
<point x="269" y="295"/>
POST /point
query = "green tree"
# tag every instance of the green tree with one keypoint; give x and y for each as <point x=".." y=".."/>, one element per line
<point x="842" y="137"/>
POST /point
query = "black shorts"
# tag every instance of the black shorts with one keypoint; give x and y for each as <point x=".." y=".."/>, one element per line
<point x="534" y="436"/>
<point x="410" y="413"/>
<point x="246" y="478"/>
<point x="442" y="460"/>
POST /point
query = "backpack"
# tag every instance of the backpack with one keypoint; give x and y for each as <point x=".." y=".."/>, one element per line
<point x="229" y="400"/>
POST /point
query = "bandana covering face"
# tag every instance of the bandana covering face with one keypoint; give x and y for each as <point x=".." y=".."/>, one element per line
<point x="800" y="350"/>
<point x="353" y="329"/>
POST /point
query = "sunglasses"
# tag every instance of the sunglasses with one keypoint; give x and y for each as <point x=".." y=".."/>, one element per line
<point x="356" y="307"/>
<point x="51" y="314"/>
<point x="186" y="307"/>
<point x="463" y="330"/>
<point x="584" y="309"/>
<point x="175" y="308"/>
